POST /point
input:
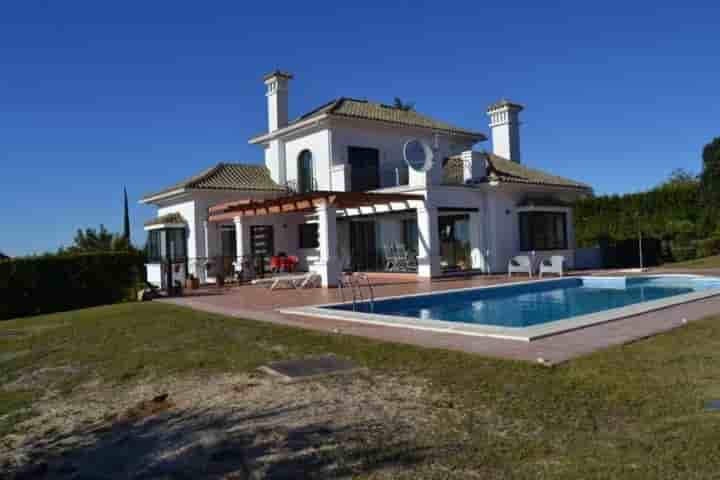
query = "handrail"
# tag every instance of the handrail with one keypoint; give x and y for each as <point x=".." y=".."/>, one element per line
<point x="354" y="282"/>
<point x="370" y="289"/>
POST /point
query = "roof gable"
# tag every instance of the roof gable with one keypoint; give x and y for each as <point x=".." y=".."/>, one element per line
<point x="226" y="176"/>
<point x="344" y="107"/>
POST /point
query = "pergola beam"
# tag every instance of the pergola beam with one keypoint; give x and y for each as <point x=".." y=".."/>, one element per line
<point x="305" y="202"/>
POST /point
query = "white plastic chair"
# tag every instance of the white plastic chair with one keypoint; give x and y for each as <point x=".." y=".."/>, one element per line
<point x="520" y="264"/>
<point x="554" y="264"/>
<point x="390" y="258"/>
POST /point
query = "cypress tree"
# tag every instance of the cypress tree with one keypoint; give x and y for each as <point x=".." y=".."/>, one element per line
<point x="126" y="218"/>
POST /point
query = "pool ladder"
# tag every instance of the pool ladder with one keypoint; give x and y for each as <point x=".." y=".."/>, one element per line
<point x="355" y="282"/>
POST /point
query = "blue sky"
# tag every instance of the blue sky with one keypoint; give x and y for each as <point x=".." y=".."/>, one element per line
<point x="95" y="96"/>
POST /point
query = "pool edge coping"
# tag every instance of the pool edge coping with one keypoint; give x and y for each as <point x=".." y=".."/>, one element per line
<point x="525" y="334"/>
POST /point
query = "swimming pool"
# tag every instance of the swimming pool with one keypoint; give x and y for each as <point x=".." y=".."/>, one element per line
<point x="528" y="310"/>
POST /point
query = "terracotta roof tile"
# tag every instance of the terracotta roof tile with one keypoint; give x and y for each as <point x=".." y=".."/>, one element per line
<point x="170" y="218"/>
<point x="363" y="109"/>
<point x="507" y="171"/>
<point x="227" y="176"/>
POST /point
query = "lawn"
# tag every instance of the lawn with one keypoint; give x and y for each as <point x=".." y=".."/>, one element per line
<point x="635" y="411"/>
<point x="706" y="262"/>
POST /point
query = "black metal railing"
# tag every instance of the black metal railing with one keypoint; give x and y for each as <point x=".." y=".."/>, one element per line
<point x="305" y="186"/>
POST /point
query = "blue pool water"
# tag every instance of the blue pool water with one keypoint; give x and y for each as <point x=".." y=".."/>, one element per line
<point x="529" y="304"/>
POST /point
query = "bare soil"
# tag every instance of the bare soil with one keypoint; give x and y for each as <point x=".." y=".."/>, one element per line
<point x="228" y="426"/>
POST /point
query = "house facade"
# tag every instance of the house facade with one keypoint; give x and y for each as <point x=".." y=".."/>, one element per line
<point x="338" y="191"/>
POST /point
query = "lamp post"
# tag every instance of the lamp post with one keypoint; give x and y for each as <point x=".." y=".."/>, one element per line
<point x="640" y="246"/>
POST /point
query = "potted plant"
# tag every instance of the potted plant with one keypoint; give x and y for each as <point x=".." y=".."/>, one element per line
<point x="192" y="282"/>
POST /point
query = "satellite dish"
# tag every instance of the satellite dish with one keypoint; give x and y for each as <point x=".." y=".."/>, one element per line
<point x="418" y="155"/>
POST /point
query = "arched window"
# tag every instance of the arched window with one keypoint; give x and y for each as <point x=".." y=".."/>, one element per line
<point x="305" y="172"/>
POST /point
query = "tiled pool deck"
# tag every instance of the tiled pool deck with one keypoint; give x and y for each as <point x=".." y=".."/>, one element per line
<point x="258" y="303"/>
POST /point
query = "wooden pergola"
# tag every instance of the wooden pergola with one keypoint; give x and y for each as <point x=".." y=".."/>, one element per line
<point x="304" y="202"/>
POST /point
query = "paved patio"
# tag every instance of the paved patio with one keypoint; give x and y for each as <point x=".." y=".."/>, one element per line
<point x="258" y="303"/>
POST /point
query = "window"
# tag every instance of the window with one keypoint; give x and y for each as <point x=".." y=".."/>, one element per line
<point x="543" y="231"/>
<point x="364" y="168"/>
<point x="167" y="244"/>
<point x="305" y="178"/>
<point x="177" y="250"/>
<point x="410" y="233"/>
<point x="309" y="235"/>
<point x="154" y="246"/>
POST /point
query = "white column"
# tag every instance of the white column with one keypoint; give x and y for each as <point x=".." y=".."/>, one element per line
<point x="239" y="241"/>
<point x="328" y="266"/>
<point x="428" y="242"/>
<point x="201" y="264"/>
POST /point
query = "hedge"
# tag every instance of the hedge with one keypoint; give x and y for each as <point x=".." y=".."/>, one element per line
<point x="36" y="285"/>
<point x="670" y="212"/>
<point x="626" y="253"/>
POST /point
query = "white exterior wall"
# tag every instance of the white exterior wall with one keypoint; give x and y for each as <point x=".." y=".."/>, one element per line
<point x="318" y="143"/>
<point x="154" y="274"/>
<point x="389" y="141"/>
<point x="193" y="206"/>
<point x="504" y="227"/>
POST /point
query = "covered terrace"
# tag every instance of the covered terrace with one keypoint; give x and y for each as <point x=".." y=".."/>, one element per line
<point x="323" y="209"/>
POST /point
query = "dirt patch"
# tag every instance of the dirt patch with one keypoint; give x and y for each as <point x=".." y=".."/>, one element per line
<point x="144" y="409"/>
<point x="230" y="426"/>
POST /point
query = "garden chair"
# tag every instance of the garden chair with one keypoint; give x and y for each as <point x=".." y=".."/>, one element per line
<point x="554" y="264"/>
<point x="402" y="257"/>
<point x="520" y="264"/>
<point x="390" y="258"/>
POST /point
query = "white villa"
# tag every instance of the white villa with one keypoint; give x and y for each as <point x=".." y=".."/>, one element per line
<point x="336" y="192"/>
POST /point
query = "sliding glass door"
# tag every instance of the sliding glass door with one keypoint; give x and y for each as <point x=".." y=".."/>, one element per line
<point x="455" y="242"/>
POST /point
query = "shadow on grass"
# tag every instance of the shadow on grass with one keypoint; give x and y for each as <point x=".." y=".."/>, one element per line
<point x="213" y="443"/>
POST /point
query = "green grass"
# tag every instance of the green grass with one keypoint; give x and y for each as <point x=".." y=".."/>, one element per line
<point x="627" y="412"/>
<point x="706" y="262"/>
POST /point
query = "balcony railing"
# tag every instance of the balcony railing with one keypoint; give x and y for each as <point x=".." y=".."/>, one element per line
<point x="394" y="177"/>
<point x="293" y="186"/>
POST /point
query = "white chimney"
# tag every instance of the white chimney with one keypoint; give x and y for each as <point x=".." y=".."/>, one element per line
<point x="277" y="99"/>
<point x="505" y="127"/>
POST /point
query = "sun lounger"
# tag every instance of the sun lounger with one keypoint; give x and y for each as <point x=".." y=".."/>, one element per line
<point x="298" y="282"/>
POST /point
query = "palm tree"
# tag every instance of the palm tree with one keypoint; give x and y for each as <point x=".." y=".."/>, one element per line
<point x="405" y="107"/>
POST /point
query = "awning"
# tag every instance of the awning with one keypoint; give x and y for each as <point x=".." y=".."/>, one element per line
<point x="303" y="202"/>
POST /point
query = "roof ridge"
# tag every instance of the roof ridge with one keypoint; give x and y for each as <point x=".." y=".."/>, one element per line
<point x="204" y="175"/>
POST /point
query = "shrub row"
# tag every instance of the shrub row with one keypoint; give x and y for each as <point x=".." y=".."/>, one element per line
<point x="626" y="253"/>
<point x="36" y="285"/>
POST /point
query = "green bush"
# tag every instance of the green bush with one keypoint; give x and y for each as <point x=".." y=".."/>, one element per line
<point x="708" y="247"/>
<point x="670" y="212"/>
<point x="54" y="283"/>
<point x="681" y="253"/>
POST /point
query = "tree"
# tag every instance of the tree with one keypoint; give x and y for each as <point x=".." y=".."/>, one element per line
<point x="3" y="256"/>
<point x="710" y="181"/>
<point x="680" y="177"/>
<point x="405" y="107"/>
<point x="91" y="240"/>
<point x="126" y="218"/>
<point x="711" y="163"/>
